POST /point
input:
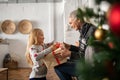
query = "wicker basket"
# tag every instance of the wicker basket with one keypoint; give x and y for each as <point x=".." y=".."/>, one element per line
<point x="11" y="64"/>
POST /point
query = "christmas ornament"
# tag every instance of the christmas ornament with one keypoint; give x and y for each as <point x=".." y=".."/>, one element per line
<point x="99" y="33"/>
<point x="114" y="19"/>
<point x="110" y="44"/>
<point x="105" y="78"/>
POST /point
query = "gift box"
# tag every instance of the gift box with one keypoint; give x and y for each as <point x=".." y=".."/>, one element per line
<point x="51" y="61"/>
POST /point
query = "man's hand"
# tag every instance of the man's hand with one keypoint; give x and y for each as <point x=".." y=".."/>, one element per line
<point x="63" y="53"/>
<point x="67" y="46"/>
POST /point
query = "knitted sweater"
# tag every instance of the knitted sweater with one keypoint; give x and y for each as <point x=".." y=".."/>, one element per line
<point x="37" y="53"/>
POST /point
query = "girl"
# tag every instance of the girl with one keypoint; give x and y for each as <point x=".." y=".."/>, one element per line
<point x="36" y="51"/>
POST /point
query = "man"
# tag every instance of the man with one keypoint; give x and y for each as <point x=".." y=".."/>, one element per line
<point x="68" y="69"/>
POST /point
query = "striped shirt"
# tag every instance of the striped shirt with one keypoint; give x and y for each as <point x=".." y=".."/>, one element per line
<point x="86" y="31"/>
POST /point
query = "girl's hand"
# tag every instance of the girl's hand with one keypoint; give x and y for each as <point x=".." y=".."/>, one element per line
<point x="49" y="44"/>
<point x="55" y="46"/>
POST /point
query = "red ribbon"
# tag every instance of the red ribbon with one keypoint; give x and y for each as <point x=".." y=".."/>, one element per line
<point x="57" y="45"/>
<point x="57" y="60"/>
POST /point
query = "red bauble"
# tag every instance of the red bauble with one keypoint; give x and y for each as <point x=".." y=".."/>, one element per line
<point x="114" y="19"/>
<point x="111" y="45"/>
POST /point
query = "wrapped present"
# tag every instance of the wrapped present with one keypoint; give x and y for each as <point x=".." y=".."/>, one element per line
<point x="51" y="61"/>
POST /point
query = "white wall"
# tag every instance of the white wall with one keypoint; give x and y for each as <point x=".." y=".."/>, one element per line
<point x="59" y="20"/>
<point x="42" y="15"/>
<point x="3" y="51"/>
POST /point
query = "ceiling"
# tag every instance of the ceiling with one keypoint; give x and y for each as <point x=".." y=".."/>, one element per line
<point x="28" y="1"/>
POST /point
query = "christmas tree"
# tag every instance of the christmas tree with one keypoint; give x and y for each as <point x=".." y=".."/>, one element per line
<point x="106" y="58"/>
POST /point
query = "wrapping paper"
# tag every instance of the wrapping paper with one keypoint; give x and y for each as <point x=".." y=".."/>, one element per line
<point x="51" y="61"/>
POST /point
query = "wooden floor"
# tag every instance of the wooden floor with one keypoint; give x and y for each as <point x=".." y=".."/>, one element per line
<point x="23" y="74"/>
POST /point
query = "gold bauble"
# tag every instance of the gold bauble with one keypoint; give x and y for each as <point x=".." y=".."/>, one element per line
<point x="105" y="78"/>
<point x="99" y="33"/>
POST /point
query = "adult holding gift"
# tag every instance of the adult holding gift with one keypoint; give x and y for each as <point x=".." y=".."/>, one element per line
<point x="66" y="70"/>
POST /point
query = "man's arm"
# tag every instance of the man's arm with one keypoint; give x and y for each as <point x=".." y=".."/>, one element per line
<point x="74" y="48"/>
<point x="71" y="47"/>
<point x="67" y="53"/>
<point x="74" y="55"/>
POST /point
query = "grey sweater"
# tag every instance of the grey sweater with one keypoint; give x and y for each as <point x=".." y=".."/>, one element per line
<point x="37" y="53"/>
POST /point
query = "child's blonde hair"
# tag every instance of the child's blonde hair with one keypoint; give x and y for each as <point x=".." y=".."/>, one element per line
<point x="33" y="40"/>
